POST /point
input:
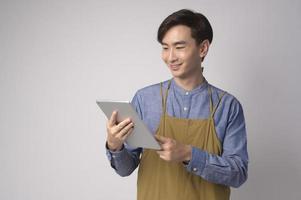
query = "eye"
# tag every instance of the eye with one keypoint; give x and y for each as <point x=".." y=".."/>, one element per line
<point x="164" y="48"/>
<point x="180" y="47"/>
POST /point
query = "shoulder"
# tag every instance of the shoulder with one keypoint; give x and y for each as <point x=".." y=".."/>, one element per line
<point x="151" y="91"/>
<point x="227" y="96"/>
<point x="229" y="103"/>
<point x="148" y="95"/>
<point x="147" y="99"/>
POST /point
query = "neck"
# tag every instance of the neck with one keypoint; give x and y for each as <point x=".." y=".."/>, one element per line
<point x="191" y="82"/>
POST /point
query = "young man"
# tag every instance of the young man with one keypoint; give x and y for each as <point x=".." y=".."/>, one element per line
<point x="201" y="128"/>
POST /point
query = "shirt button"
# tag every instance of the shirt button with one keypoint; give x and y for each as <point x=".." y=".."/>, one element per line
<point x="194" y="169"/>
<point x="185" y="108"/>
<point x="187" y="93"/>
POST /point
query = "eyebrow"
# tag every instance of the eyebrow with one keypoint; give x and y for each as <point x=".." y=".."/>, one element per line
<point x="176" y="43"/>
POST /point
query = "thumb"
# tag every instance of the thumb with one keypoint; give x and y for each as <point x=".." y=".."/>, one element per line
<point x="113" y="118"/>
<point x="161" y="139"/>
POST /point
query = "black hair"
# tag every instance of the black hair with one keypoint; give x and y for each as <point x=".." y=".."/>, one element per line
<point x="197" y="22"/>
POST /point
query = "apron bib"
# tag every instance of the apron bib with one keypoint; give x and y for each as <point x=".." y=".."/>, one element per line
<point x="162" y="180"/>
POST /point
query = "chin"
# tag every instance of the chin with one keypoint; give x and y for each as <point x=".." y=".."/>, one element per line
<point x="178" y="75"/>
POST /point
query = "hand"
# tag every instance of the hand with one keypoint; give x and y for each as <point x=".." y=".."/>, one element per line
<point x="171" y="150"/>
<point x="117" y="133"/>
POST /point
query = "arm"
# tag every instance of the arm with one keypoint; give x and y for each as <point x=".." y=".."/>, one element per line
<point x="123" y="158"/>
<point x="228" y="169"/>
<point x="232" y="166"/>
<point x="125" y="161"/>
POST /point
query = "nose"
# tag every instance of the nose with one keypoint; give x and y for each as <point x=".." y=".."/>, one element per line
<point x="172" y="57"/>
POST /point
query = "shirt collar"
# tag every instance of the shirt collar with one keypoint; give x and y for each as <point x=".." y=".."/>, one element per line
<point x="182" y="91"/>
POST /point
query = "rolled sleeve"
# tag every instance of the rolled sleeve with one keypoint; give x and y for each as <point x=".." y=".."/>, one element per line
<point x="124" y="161"/>
<point x="197" y="163"/>
<point x="231" y="167"/>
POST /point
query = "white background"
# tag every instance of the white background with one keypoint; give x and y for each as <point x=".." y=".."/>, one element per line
<point x="58" y="57"/>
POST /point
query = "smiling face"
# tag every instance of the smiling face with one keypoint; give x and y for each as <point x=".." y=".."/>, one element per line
<point x="181" y="53"/>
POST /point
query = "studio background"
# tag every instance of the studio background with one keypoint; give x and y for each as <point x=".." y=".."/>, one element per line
<point x="58" y="57"/>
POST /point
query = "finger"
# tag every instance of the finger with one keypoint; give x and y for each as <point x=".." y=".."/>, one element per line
<point x="123" y="124"/>
<point x="125" y="136"/>
<point x="125" y="130"/>
<point x="167" y="146"/>
<point x="161" y="154"/>
<point x="161" y="139"/>
<point x="113" y="118"/>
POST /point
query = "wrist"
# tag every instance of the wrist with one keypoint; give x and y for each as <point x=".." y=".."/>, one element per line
<point x="188" y="154"/>
<point x="113" y="147"/>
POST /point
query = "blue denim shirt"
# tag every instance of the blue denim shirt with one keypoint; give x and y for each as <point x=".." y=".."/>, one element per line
<point x="228" y="169"/>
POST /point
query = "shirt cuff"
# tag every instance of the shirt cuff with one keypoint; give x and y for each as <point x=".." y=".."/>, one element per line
<point x="198" y="161"/>
<point x="114" y="154"/>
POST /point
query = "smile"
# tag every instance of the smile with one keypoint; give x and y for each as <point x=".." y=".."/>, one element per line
<point x="174" y="67"/>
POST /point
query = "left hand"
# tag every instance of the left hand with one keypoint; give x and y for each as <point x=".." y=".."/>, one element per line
<point x="172" y="150"/>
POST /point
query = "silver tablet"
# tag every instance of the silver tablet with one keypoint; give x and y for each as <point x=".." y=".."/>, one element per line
<point x="141" y="136"/>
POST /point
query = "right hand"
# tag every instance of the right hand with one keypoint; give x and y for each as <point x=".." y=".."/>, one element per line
<point x="117" y="133"/>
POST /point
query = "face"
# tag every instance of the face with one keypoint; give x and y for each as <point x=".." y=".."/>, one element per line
<point x="181" y="53"/>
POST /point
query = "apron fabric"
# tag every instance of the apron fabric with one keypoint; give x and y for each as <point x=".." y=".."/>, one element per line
<point x="162" y="180"/>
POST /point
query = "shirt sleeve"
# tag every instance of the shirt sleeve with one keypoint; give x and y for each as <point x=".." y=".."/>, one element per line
<point x="232" y="166"/>
<point x="125" y="161"/>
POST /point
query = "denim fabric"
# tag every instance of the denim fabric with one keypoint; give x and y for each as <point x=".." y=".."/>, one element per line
<point x="228" y="169"/>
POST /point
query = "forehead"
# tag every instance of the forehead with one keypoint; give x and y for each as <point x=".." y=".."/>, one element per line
<point x="176" y="34"/>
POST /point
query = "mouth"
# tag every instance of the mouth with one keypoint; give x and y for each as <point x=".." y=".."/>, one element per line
<point x="174" y="66"/>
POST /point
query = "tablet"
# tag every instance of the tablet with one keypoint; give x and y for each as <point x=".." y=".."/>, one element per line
<point x="141" y="135"/>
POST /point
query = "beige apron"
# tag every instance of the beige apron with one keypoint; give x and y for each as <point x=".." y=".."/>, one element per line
<point x="162" y="180"/>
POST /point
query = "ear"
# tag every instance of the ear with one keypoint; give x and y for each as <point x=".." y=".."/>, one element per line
<point x="204" y="48"/>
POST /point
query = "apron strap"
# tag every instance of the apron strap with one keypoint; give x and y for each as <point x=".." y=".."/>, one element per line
<point x="210" y="99"/>
<point x="164" y="99"/>
<point x="219" y="100"/>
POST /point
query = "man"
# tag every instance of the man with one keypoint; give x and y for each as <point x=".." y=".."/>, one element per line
<point x="201" y="128"/>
